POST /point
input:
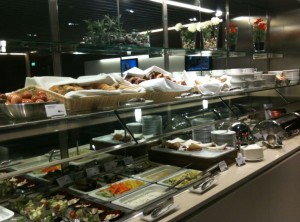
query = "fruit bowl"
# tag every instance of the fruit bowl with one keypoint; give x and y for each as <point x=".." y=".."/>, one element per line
<point x="25" y="111"/>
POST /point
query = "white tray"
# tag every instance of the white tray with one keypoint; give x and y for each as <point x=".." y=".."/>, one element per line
<point x="5" y="214"/>
<point x="99" y="156"/>
<point x="157" y="173"/>
<point x="165" y="181"/>
<point x="204" y="153"/>
<point x="146" y="196"/>
<point x="94" y="192"/>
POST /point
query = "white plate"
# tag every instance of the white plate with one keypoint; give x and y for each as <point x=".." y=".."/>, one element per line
<point x="143" y="197"/>
<point x="5" y="214"/>
<point x="94" y="192"/>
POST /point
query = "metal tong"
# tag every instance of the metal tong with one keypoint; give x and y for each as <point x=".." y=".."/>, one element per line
<point x="160" y="208"/>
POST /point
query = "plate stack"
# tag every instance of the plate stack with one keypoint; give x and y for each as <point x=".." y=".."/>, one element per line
<point x="224" y="136"/>
<point x="202" y="134"/>
<point x="292" y="75"/>
<point x="152" y="125"/>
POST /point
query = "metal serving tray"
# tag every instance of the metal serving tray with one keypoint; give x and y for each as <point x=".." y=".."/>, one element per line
<point x="157" y="173"/>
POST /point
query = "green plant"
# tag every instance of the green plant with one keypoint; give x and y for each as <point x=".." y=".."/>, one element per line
<point x="106" y="31"/>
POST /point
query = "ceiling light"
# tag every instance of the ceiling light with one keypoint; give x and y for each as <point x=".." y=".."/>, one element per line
<point x="219" y="13"/>
<point x="129" y="10"/>
<point x="187" y="6"/>
<point x="193" y="19"/>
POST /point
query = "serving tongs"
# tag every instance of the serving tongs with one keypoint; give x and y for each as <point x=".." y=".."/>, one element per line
<point x="207" y="178"/>
<point x="158" y="209"/>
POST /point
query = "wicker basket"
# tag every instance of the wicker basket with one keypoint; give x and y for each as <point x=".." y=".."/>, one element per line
<point x="87" y="103"/>
<point x="162" y="96"/>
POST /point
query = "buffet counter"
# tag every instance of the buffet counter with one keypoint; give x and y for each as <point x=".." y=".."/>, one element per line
<point x="257" y="191"/>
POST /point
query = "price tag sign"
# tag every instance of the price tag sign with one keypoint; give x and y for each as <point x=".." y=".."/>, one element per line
<point x="64" y="180"/>
<point x="110" y="166"/>
<point x="55" y="110"/>
<point x="128" y="160"/>
<point x="223" y="166"/>
<point x="93" y="171"/>
<point x="240" y="160"/>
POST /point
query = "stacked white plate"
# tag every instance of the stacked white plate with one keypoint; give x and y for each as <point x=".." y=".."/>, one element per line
<point x="292" y="75"/>
<point x="224" y="136"/>
<point x="202" y="134"/>
<point x="152" y="125"/>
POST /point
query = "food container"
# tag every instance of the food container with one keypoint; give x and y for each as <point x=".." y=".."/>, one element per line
<point x="143" y="197"/>
<point x="116" y="190"/>
<point x="187" y="177"/>
<point x="157" y="173"/>
<point x="25" y="111"/>
<point x="224" y="136"/>
<point x="5" y="214"/>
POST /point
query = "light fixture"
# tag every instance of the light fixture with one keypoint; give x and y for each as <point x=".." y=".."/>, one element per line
<point x="187" y="6"/>
<point x="193" y="19"/>
<point x="219" y="13"/>
<point x="129" y="10"/>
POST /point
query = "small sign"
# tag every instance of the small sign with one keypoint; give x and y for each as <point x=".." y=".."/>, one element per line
<point x="128" y="160"/>
<point x="240" y="160"/>
<point x="223" y="166"/>
<point x="110" y="166"/>
<point x="93" y="171"/>
<point x="55" y="110"/>
<point x="64" y="180"/>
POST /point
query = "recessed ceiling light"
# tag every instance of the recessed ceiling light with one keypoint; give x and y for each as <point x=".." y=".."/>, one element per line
<point x="188" y="6"/>
<point x="129" y="10"/>
<point x="193" y="19"/>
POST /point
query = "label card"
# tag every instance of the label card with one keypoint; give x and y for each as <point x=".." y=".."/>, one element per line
<point x="240" y="160"/>
<point x="223" y="166"/>
<point x="64" y="180"/>
<point x="93" y="171"/>
<point x="128" y="160"/>
<point x="55" y="110"/>
<point x="110" y="166"/>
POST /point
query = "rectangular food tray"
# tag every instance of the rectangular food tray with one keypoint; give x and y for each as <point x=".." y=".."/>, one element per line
<point x="181" y="172"/>
<point x="94" y="192"/>
<point x="204" y="153"/>
<point x="157" y="173"/>
<point x="146" y="196"/>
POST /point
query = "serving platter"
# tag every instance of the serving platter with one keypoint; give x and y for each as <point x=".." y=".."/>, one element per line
<point x="110" y="192"/>
<point x="157" y="173"/>
<point x="5" y="214"/>
<point x="143" y="197"/>
<point x="185" y="177"/>
<point x="204" y="153"/>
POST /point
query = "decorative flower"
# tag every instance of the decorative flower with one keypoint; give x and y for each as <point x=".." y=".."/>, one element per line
<point x="232" y="34"/>
<point x="232" y="28"/>
<point x="259" y="30"/>
<point x="187" y="33"/>
<point x="178" y="27"/>
<point x="210" y="31"/>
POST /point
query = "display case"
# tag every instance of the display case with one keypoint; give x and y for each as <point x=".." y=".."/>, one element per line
<point x="56" y="153"/>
